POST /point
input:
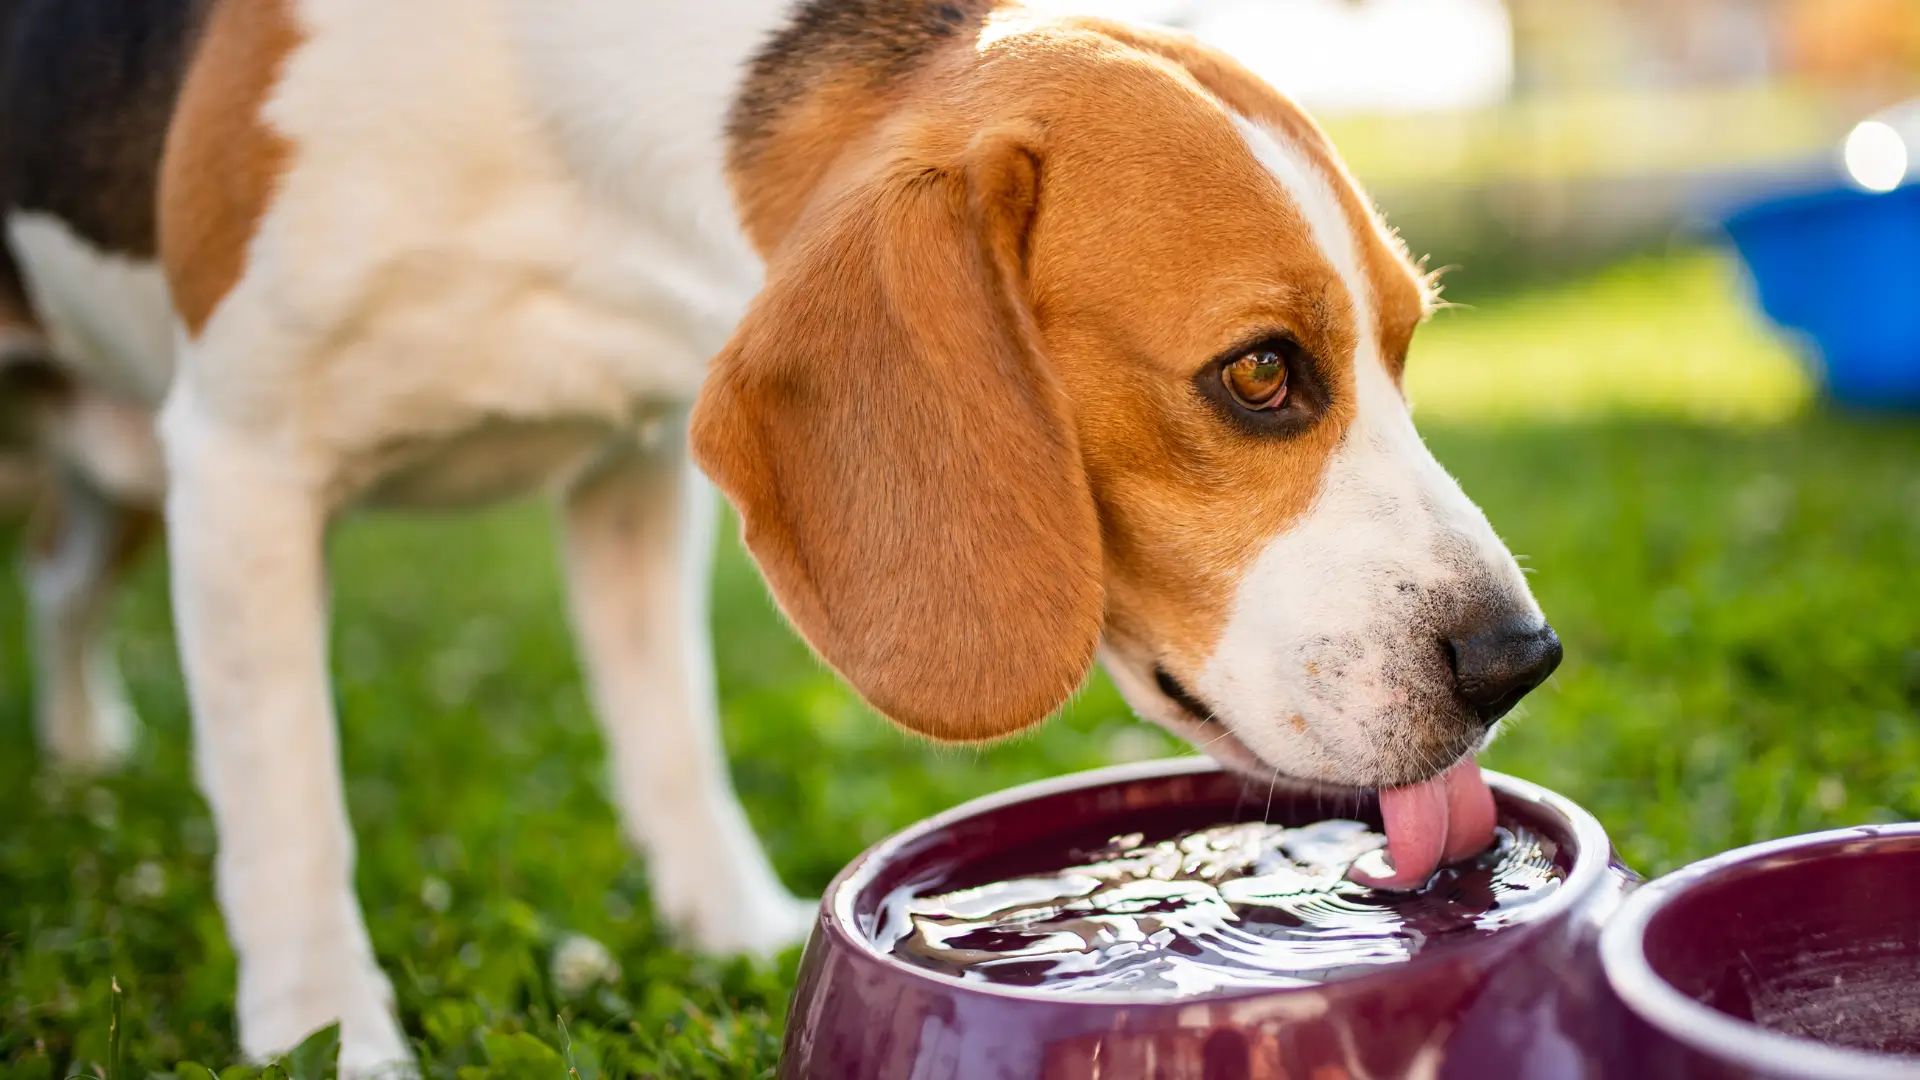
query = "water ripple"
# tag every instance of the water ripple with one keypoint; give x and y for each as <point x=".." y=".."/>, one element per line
<point x="1251" y="905"/>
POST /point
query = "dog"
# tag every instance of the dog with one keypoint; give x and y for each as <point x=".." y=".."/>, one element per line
<point x="1016" y="341"/>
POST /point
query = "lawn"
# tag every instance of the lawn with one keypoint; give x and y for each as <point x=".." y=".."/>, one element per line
<point x="1731" y="567"/>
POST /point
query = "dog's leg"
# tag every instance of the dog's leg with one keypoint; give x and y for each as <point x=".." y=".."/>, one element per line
<point x="639" y="535"/>
<point x="78" y="543"/>
<point x="246" y="528"/>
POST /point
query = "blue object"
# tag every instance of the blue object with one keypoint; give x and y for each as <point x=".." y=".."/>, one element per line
<point x="1843" y="266"/>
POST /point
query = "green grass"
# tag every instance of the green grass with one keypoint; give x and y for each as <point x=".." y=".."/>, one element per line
<point x="1650" y="338"/>
<point x="1731" y="569"/>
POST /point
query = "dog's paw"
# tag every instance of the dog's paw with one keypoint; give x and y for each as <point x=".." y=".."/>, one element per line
<point x="357" y="995"/>
<point x="86" y="735"/>
<point x="370" y="1063"/>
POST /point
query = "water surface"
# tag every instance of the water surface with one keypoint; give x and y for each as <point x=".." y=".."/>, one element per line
<point x="1242" y="906"/>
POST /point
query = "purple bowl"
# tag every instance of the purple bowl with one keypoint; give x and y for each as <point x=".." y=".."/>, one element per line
<point x="1784" y="959"/>
<point x="1524" y="1001"/>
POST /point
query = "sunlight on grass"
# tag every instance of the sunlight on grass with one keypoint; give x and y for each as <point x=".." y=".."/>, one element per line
<point x="1673" y="337"/>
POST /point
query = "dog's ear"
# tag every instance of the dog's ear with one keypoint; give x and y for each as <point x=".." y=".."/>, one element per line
<point x="904" y="462"/>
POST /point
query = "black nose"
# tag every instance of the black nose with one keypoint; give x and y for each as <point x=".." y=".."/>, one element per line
<point x="1495" y="666"/>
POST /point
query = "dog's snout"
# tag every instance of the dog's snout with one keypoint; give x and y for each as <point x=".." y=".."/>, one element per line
<point x="1495" y="666"/>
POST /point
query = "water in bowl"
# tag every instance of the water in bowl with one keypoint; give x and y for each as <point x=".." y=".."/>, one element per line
<point x="1244" y="906"/>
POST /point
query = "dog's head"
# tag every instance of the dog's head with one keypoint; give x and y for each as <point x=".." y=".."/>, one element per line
<point x="1095" y="346"/>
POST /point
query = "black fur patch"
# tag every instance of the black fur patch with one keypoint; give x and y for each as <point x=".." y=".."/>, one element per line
<point x="87" y="88"/>
<point x="882" y="39"/>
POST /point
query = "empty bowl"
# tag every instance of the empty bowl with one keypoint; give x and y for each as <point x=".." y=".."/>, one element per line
<point x="1478" y="982"/>
<point x="1796" y="958"/>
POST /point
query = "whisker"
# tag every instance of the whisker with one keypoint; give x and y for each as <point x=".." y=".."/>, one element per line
<point x="1215" y="739"/>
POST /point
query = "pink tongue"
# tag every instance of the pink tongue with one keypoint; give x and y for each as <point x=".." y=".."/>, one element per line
<point x="1445" y="819"/>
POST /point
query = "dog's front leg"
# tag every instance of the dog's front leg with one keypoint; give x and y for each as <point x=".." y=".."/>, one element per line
<point x="249" y="595"/>
<point x="639" y="539"/>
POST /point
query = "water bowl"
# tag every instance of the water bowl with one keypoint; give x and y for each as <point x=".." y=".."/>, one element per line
<point x="1796" y="958"/>
<point x="1484" y="982"/>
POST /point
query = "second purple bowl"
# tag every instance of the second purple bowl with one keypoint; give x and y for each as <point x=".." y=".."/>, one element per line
<point x="1524" y="1001"/>
<point x="1796" y="958"/>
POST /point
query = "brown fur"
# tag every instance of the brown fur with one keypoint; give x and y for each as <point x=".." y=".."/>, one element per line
<point x="1401" y="298"/>
<point x="897" y="447"/>
<point x="886" y="433"/>
<point x="16" y="320"/>
<point x="222" y="160"/>
<point x="835" y="70"/>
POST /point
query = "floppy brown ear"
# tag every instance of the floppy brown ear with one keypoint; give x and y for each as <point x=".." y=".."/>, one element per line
<point x="903" y="460"/>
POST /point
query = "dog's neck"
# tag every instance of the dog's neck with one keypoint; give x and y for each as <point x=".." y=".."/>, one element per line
<point x="820" y="87"/>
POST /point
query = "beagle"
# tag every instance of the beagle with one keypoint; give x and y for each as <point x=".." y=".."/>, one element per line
<point x="1015" y="340"/>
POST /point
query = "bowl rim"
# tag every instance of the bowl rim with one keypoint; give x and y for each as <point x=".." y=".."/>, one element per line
<point x="1702" y="1027"/>
<point x="1593" y="856"/>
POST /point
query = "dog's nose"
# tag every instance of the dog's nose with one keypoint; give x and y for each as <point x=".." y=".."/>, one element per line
<point x="1496" y="666"/>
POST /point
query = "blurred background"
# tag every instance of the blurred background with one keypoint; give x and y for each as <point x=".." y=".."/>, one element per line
<point x="1527" y="136"/>
<point x="1729" y="553"/>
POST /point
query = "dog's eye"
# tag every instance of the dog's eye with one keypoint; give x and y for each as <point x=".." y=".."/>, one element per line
<point x="1266" y="386"/>
<point x="1257" y="380"/>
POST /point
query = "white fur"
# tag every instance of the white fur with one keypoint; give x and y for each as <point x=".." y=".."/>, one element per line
<point x="502" y="253"/>
<point x="249" y="600"/>
<point x="109" y="317"/>
<point x="1339" y="618"/>
<point x="487" y="280"/>
<point x="639" y="543"/>
<point x="539" y="255"/>
<point x="106" y="314"/>
<point x="109" y="440"/>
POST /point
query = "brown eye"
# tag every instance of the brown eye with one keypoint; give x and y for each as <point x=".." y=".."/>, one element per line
<point x="1258" y="380"/>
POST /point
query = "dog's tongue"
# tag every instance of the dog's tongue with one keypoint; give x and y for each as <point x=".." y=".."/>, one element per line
<point x="1445" y="819"/>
